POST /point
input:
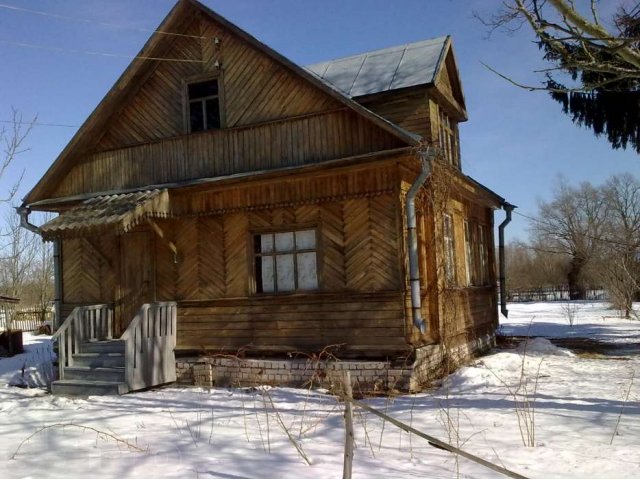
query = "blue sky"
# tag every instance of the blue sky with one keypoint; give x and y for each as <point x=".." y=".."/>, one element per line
<point x="516" y="142"/>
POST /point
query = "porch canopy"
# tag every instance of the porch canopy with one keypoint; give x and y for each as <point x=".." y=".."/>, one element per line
<point x="118" y="213"/>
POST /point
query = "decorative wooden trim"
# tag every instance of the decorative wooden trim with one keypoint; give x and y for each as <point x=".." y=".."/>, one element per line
<point x="161" y="235"/>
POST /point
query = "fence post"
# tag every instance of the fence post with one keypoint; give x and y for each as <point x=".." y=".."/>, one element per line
<point x="348" y="426"/>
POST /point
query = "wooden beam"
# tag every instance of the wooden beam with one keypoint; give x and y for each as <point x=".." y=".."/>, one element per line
<point x="172" y="246"/>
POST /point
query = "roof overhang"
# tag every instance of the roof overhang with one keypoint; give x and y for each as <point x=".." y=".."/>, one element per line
<point x="118" y="213"/>
<point x="133" y="77"/>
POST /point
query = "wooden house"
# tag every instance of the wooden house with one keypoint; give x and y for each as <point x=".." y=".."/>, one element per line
<point x="222" y="199"/>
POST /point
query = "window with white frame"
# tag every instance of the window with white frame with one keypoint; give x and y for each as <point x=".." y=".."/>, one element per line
<point x="285" y="262"/>
<point x="449" y="250"/>
<point x="448" y="133"/>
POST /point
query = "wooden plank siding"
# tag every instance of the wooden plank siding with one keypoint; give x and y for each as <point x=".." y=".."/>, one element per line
<point x="456" y="311"/>
<point x="361" y="324"/>
<point x="89" y="275"/>
<point x="407" y="108"/>
<point x="255" y="88"/>
<point x="357" y="260"/>
<point x="296" y="142"/>
<point x="358" y="243"/>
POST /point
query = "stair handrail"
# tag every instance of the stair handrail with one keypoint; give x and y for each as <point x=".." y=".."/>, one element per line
<point x="150" y="340"/>
<point x="83" y="324"/>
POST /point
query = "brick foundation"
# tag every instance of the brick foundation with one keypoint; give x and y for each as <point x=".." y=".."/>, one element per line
<point x="367" y="376"/>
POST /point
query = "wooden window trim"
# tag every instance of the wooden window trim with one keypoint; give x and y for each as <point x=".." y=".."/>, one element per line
<point x="483" y="255"/>
<point x="468" y="254"/>
<point x="289" y="229"/>
<point x="476" y="253"/>
<point x="448" y="237"/>
<point x="205" y="77"/>
<point x="449" y="140"/>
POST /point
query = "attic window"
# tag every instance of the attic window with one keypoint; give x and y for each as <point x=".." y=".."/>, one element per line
<point x="204" y="105"/>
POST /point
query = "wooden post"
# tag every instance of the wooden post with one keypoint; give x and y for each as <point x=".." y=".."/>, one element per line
<point x="348" y="427"/>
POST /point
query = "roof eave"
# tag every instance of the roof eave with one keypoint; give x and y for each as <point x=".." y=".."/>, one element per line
<point x="118" y="90"/>
<point x="111" y="97"/>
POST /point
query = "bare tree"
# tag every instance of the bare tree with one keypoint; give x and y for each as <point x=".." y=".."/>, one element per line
<point x="620" y="263"/>
<point x="12" y="138"/>
<point x="18" y="256"/>
<point x="535" y="265"/>
<point x="38" y="288"/>
<point x="572" y="224"/>
<point x="15" y="246"/>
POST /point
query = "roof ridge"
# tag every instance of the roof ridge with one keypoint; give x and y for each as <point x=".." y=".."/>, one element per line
<point x="379" y="51"/>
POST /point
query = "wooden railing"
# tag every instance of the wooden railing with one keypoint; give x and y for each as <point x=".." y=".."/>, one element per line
<point x="150" y="341"/>
<point x="84" y="324"/>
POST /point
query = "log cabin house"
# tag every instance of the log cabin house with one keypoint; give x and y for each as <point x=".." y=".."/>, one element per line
<point x="222" y="200"/>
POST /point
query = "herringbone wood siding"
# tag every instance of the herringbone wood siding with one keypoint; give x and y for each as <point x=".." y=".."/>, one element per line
<point x="87" y="276"/>
<point x="357" y="251"/>
<point x="211" y="258"/>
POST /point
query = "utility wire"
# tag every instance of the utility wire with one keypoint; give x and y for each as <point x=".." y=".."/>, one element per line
<point x="598" y="239"/>
<point x="37" y="124"/>
<point x="95" y="22"/>
<point x="102" y="54"/>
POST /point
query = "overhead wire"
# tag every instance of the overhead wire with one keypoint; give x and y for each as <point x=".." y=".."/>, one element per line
<point x="592" y="237"/>
<point x="103" y="54"/>
<point x="95" y="22"/>
<point x="38" y="124"/>
<point x="87" y="52"/>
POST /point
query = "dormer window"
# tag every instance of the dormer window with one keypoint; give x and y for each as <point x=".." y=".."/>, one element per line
<point x="449" y="139"/>
<point x="204" y="105"/>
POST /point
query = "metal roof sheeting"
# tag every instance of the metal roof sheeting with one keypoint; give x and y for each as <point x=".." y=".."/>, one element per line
<point x="383" y="70"/>
<point x="121" y="212"/>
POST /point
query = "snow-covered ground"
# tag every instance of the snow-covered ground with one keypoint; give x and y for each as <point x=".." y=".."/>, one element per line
<point x="581" y="413"/>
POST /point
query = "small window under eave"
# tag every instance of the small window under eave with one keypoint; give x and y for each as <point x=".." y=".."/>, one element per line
<point x="204" y="105"/>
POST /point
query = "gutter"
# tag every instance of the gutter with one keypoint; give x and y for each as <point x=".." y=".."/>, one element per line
<point x="412" y="239"/>
<point x="508" y="208"/>
<point x="24" y="213"/>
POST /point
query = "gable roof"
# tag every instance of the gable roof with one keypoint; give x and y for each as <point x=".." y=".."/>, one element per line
<point x="386" y="69"/>
<point x="139" y="67"/>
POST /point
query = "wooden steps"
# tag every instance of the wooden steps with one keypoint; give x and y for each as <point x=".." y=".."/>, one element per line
<point x="98" y="369"/>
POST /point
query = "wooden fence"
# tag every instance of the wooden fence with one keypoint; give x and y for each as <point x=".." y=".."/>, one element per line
<point x="25" y="319"/>
<point x="551" y="294"/>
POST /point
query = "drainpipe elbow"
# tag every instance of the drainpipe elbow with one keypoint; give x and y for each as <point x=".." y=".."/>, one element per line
<point x="508" y="208"/>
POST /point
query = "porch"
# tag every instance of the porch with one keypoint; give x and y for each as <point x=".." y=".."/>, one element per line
<point x="92" y="360"/>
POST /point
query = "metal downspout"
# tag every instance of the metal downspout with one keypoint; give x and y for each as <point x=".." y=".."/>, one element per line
<point x="508" y="208"/>
<point x="412" y="240"/>
<point x="57" y="283"/>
